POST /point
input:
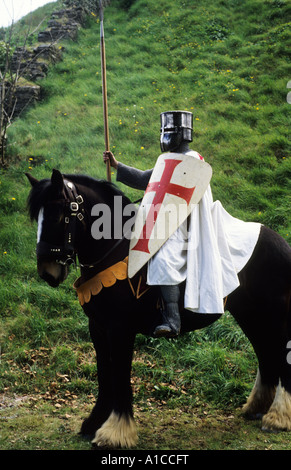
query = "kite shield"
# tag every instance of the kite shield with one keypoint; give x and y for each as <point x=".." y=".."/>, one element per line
<point x="178" y="182"/>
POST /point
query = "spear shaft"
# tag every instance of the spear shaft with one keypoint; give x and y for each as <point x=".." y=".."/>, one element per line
<point x="104" y="89"/>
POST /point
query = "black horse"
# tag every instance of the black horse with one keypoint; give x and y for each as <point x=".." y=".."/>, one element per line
<point x="118" y="309"/>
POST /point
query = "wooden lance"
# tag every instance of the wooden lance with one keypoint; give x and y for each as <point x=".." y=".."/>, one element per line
<point x="104" y="90"/>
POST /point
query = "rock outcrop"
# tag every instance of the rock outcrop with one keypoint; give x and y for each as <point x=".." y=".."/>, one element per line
<point x="33" y="64"/>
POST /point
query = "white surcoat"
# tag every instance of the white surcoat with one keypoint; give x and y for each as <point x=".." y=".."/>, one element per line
<point x="208" y="251"/>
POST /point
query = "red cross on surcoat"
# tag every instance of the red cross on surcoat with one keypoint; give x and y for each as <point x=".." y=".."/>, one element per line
<point x="162" y="187"/>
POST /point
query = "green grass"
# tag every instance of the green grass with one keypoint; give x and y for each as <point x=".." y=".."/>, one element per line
<point x="226" y="62"/>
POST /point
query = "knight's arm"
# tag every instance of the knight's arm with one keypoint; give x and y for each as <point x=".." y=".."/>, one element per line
<point x="137" y="179"/>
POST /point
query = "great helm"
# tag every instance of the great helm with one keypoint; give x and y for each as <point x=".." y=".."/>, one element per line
<point x="176" y="127"/>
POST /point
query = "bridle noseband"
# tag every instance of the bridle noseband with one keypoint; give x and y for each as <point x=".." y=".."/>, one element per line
<point x="74" y="211"/>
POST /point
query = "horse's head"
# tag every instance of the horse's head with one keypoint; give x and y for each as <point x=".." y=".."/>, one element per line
<point x="66" y="224"/>
<point x="54" y="204"/>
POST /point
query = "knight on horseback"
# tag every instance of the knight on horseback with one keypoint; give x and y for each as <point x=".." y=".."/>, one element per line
<point x="245" y="261"/>
<point x="196" y="252"/>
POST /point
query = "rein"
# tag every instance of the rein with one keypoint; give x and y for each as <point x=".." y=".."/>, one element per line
<point x="107" y="253"/>
<point x="92" y="265"/>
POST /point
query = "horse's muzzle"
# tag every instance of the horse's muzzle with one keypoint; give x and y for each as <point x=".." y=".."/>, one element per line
<point x="52" y="272"/>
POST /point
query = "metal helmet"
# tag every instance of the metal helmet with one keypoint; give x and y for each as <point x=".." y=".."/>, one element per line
<point x="176" y="127"/>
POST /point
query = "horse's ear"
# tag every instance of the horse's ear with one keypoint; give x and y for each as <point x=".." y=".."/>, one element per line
<point x="33" y="181"/>
<point x="57" y="180"/>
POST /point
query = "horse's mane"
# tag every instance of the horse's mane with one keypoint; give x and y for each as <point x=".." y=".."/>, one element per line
<point x="41" y="192"/>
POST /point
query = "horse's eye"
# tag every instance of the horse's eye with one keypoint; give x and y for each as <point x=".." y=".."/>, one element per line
<point x="59" y="217"/>
<point x="55" y="217"/>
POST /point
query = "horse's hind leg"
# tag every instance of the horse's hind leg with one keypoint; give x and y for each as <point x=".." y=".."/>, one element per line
<point x="271" y="395"/>
<point x="260" y="334"/>
<point x="264" y="390"/>
<point x="260" y="399"/>
<point x="262" y="307"/>
<point x="278" y="417"/>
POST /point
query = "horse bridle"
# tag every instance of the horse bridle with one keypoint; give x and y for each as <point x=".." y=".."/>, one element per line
<point x="74" y="211"/>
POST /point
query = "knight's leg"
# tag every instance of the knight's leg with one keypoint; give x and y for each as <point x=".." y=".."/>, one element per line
<point x="171" y="323"/>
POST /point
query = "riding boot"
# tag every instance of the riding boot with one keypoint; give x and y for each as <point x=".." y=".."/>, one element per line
<point x="171" y="323"/>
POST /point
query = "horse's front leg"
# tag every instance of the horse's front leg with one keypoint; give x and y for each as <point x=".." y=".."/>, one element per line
<point x="119" y="429"/>
<point x="112" y="415"/>
<point x="104" y="403"/>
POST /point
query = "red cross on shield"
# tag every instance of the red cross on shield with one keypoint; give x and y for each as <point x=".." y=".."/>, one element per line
<point x="178" y="181"/>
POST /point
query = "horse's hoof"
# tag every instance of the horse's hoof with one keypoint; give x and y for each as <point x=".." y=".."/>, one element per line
<point x="101" y="447"/>
<point x="271" y="431"/>
<point x="117" y="432"/>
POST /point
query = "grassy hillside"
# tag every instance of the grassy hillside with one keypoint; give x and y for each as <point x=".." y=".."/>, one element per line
<point x="227" y="62"/>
